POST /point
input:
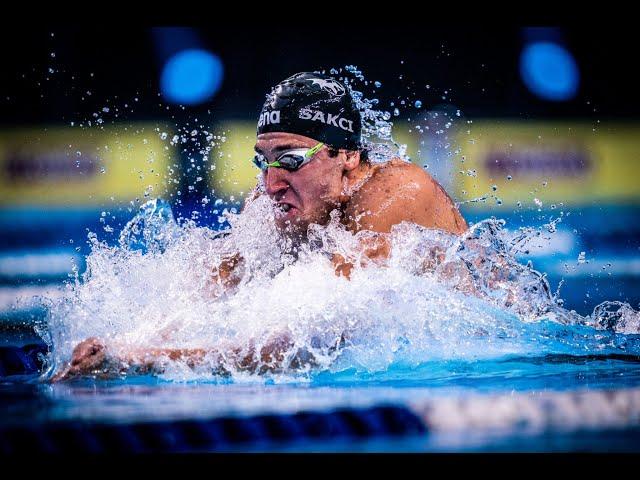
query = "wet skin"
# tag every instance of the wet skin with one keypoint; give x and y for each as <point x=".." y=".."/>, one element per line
<point x="371" y="197"/>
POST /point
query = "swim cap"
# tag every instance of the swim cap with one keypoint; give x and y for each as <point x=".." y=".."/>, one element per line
<point x="316" y="106"/>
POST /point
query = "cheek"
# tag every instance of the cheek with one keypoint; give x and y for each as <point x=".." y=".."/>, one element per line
<point x="322" y="196"/>
<point x="319" y="187"/>
<point x="329" y="186"/>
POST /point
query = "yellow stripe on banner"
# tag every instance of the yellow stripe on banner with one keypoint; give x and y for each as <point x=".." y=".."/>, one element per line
<point x="73" y="166"/>
<point x="233" y="174"/>
<point x="544" y="163"/>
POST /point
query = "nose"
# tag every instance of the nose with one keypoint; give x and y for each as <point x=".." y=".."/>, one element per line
<point x="275" y="182"/>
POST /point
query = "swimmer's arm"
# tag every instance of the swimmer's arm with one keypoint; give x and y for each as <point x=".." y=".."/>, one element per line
<point x="225" y="274"/>
<point x="374" y="247"/>
<point x="93" y="357"/>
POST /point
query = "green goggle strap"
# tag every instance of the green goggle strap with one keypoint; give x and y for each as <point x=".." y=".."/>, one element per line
<point x="309" y="154"/>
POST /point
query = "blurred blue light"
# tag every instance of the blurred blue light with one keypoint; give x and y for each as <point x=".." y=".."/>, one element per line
<point x="549" y="71"/>
<point x="191" y="76"/>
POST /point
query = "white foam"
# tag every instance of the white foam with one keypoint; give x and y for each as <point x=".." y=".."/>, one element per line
<point x="439" y="297"/>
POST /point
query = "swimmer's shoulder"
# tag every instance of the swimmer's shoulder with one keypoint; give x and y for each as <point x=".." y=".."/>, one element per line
<point x="397" y="174"/>
<point x="388" y="196"/>
<point x="398" y="191"/>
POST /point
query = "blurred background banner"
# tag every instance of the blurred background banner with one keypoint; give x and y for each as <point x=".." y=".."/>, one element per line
<point x="235" y="174"/>
<point x="536" y="126"/>
<point x="556" y="162"/>
<point x="65" y="166"/>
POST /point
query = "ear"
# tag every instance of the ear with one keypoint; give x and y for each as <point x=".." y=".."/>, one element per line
<point x="352" y="159"/>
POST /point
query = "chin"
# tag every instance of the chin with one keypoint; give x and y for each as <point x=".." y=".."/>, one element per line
<point x="292" y="226"/>
<point x="294" y="223"/>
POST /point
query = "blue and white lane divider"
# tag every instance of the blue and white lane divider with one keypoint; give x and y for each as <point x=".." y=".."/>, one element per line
<point x="532" y="412"/>
<point x="216" y="434"/>
<point x="528" y="413"/>
<point x="503" y="415"/>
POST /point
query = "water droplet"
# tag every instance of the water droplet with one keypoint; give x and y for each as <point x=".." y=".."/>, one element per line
<point x="418" y="104"/>
<point x="582" y="258"/>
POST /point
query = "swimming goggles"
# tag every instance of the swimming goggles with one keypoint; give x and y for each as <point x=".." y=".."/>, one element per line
<point x="291" y="160"/>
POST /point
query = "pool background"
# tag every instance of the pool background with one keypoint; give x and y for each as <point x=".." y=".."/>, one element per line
<point x="80" y="145"/>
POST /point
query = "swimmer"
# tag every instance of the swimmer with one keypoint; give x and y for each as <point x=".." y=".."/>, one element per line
<point x="313" y="161"/>
<point x="310" y="152"/>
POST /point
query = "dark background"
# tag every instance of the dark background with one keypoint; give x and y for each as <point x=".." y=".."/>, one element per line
<point x="478" y="66"/>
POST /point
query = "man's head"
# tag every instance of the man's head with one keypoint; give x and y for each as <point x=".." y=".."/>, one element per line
<point x="316" y="116"/>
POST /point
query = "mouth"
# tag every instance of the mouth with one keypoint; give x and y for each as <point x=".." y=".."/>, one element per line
<point x="286" y="209"/>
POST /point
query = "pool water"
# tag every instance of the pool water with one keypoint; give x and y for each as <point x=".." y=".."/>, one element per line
<point x="428" y="369"/>
<point x="551" y="403"/>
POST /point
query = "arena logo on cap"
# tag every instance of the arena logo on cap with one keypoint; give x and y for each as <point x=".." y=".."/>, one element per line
<point x="269" y="118"/>
<point x="328" y="119"/>
<point x="330" y="86"/>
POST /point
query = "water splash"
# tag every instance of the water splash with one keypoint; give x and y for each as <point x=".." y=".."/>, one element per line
<point x="439" y="297"/>
<point x="152" y="229"/>
<point x="377" y="127"/>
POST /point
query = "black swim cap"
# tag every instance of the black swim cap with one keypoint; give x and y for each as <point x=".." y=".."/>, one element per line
<point x="316" y="106"/>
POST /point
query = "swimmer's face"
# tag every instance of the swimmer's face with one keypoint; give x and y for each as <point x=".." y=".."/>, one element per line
<point x="310" y="193"/>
